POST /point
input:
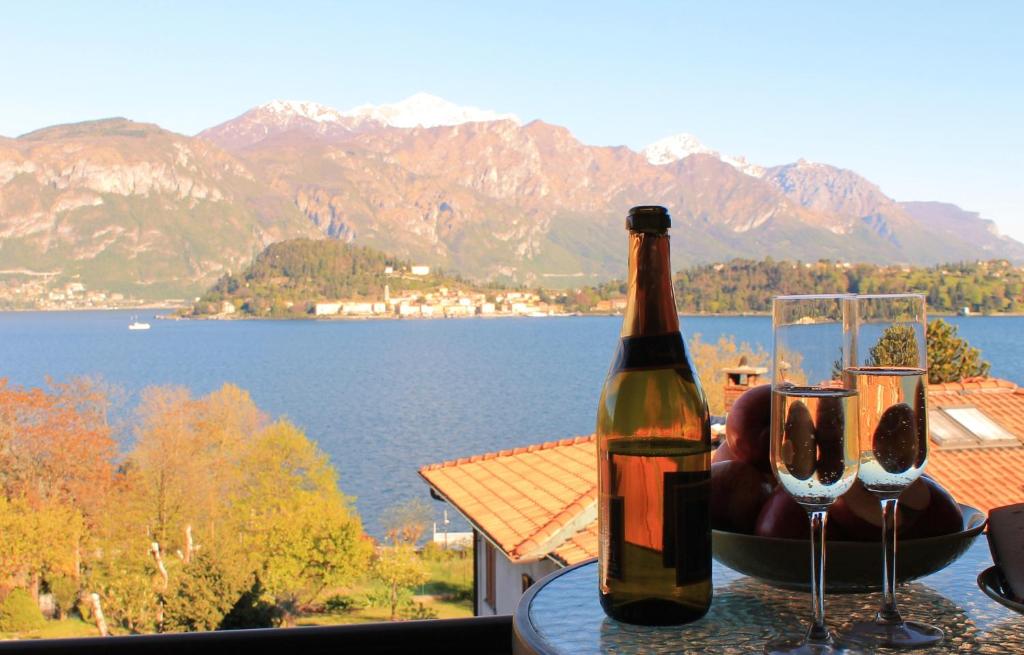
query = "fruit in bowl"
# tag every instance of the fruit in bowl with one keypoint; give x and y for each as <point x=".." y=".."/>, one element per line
<point x="932" y="528"/>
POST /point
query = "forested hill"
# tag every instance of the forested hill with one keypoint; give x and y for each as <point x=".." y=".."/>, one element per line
<point x="288" y="276"/>
<point x="748" y="286"/>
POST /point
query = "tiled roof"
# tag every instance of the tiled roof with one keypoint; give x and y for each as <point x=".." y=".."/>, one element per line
<point x="581" y="546"/>
<point x="1000" y="400"/>
<point x="529" y="500"/>
<point x="986" y="477"/>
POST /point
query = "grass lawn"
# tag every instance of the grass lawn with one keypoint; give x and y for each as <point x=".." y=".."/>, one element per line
<point x="449" y="592"/>
<point x="70" y="627"/>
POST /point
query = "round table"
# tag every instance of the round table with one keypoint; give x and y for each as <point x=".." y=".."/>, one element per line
<point x="561" y="614"/>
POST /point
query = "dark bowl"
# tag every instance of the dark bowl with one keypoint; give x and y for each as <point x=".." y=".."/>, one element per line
<point x="851" y="566"/>
<point x="994" y="585"/>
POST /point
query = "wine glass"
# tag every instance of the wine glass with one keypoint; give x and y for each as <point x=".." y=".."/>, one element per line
<point x="814" y="440"/>
<point x="890" y="373"/>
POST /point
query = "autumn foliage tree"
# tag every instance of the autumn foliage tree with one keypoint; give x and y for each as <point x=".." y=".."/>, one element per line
<point x="171" y="534"/>
<point x="56" y="473"/>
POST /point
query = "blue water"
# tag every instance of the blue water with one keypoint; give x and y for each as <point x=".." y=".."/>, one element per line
<point x="383" y="398"/>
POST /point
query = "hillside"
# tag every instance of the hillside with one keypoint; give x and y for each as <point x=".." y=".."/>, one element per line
<point x="289" y="277"/>
<point x="132" y="208"/>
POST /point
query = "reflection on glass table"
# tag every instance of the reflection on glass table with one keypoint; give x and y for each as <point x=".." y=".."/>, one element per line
<point x="561" y="614"/>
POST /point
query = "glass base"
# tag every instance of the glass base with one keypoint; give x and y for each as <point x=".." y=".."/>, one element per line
<point x="899" y="634"/>
<point x="802" y="645"/>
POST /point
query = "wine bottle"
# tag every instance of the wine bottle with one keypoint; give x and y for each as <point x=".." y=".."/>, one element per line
<point x="654" y="451"/>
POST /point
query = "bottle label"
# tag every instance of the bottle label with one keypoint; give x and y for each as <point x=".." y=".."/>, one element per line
<point x="616" y="535"/>
<point x="686" y="542"/>
<point x="660" y="351"/>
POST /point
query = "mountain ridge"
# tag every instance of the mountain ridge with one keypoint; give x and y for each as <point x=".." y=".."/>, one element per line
<point x="136" y="207"/>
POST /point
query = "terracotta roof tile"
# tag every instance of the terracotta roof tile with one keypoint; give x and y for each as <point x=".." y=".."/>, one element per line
<point x="523" y="499"/>
<point x="981" y="477"/>
<point x="984" y="478"/>
<point x="1000" y="400"/>
<point x="579" y="547"/>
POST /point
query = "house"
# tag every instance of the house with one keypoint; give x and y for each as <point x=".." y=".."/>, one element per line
<point x="326" y="308"/>
<point x="419" y="270"/>
<point x="534" y="509"/>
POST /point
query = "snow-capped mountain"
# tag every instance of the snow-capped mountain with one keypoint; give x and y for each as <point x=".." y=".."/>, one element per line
<point x="288" y="110"/>
<point x="675" y="147"/>
<point x="425" y="110"/>
<point x="320" y="121"/>
<point x="680" y="146"/>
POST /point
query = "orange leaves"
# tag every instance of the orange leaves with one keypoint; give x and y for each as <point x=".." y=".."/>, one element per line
<point x="55" y="444"/>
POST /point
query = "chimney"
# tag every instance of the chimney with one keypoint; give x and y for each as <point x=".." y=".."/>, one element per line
<point x="739" y="378"/>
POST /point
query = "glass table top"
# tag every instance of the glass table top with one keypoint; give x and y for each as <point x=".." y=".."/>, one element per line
<point x="564" y="615"/>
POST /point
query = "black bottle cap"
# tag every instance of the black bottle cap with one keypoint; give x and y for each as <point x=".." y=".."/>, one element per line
<point x="648" y="218"/>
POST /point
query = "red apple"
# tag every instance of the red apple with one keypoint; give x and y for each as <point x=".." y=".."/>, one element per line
<point x="941" y="515"/>
<point x="782" y="517"/>
<point x="925" y="509"/>
<point x="856" y="516"/>
<point x="722" y="454"/>
<point x="748" y="427"/>
<point x="738" y="491"/>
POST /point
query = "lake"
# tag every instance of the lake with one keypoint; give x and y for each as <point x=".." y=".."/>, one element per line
<point x="383" y="398"/>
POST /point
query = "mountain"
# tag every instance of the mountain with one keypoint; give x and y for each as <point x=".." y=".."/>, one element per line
<point x="680" y="146"/>
<point x="425" y="110"/>
<point x="133" y="208"/>
<point x="322" y="122"/>
<point x="979" y="235"/>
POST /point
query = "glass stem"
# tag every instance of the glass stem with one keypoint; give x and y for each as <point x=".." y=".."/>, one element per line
<point x="818" y="632"/>
<point x="888" y="612"/>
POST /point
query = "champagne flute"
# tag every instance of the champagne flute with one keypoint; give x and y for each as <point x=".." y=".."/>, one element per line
<point x="890" y="373"/>
<point x="814" y="440"/>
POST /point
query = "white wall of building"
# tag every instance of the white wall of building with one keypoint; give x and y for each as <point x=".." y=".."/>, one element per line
<point x="507" y="577"/>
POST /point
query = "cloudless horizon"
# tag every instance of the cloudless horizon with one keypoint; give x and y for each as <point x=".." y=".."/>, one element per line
<point x="924" y="99"/>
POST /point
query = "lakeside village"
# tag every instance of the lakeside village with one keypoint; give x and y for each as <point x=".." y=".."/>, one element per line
<point x="440" y="302"/>
<point x="40" y="292"/>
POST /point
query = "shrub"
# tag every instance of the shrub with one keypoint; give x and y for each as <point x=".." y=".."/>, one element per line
<point x="19" y="613"/>
<point x="201" y="599"/>
<point x="342" y="604"/>
<point x="65" y="594"/>
<point x="416" y="612"/>
<point x="252" y="611"/>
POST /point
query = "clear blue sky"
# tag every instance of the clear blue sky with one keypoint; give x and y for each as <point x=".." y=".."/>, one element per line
<point x="924" y="98"/>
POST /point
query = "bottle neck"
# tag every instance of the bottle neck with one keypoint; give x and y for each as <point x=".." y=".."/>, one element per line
<point x="651" y="304"/>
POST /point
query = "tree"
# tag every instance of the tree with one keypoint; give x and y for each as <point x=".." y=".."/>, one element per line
<point x="896" y="347"/>
<point x="299" y="531"/>
<point x="709" y="360"/>
<point x="202" y="597"/>
<point x="406" y="522"/>
<point x="398" y="568"/>
<point x="951" y="358"/>
<point x="252" y="610"/>
<point x="20" y="613"/>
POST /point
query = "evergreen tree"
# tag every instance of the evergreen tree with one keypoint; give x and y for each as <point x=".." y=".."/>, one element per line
<point x="896" y="347"/>
<point x="951" y="358"/>
<point x="201" y="598"/>
<point x="252" y="610"/>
